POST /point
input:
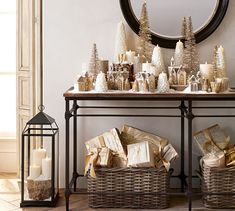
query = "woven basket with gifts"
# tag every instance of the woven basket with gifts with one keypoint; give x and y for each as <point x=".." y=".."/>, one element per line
<point x="125" y="170"/>
<point x="217" y="167"/>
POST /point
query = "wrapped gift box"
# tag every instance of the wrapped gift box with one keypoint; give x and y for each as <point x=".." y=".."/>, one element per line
<point x="111" y="140"/>
<point x="167" y="155"/>
<point x="219" y="137"/>
<point x="104" y="158"/>
<point x="140" y="155"/>
<point x="212" y="139"/>
<point x="130" y="135"/>
<point x="95" y="143"/>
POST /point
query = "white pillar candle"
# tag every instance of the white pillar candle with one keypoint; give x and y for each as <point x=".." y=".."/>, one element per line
<point x="38" y="155"/>
<point x="207" y="71"/>
<point x="157" y="59"/>
<point x="179" y="53"/>
<point x="146" y="67"/>
<point x="34" y="172"/>
<point x="130" y="56"/>
<point x="46" y="167"/>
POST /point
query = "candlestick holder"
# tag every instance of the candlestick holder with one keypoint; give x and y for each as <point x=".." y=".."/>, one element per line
<point x="40" y="162"/>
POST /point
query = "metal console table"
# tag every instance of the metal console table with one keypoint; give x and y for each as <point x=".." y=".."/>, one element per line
<point x="185" y="108"/>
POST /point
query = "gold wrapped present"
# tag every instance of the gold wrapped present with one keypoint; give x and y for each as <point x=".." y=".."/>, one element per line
<point x="97" y="157"/>
<point x="212" y="139"/>
<point x="95" y="143"/>
<point x="216" y="159"/>
<point x="140" y="155"/>
<point x="230" y="157"/>
<point x="167" y="155"/>
<point x="90" y="162"/>
<point x="112" y="141"/>
<point x="130" y="135"/>
<point x="104" y="158"/>
<point x="219" y="137"/>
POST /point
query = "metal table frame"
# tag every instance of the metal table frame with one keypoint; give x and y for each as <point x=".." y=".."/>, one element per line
<point x="185" y="109"/>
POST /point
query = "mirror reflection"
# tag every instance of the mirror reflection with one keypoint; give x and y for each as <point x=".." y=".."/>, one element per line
<point x="167" y="22"/>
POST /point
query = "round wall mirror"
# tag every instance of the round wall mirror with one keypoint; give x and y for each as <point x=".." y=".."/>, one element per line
<point x="165" y="18"/>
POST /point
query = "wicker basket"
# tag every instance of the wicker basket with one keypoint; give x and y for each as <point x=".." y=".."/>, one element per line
<point x="218" y="180"/>
<point x="137" y="180"/>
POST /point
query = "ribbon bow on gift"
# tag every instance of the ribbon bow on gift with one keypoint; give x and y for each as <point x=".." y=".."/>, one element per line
<point x="90" y="162"/>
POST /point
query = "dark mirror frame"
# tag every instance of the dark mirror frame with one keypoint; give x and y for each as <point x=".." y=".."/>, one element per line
<point x="171" y="42"/>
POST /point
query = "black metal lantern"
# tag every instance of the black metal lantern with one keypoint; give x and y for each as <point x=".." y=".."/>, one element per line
<point x="40" y="161"/>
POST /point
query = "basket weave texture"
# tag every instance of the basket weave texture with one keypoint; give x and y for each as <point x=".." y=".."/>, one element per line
<point x="218" y="180"/>
<point x="137" y="180"/>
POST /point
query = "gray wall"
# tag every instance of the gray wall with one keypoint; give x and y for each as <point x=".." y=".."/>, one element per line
<point x="71" y="26"/>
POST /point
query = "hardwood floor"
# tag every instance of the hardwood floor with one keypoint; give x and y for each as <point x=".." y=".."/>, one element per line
<point x="10" y="200"/>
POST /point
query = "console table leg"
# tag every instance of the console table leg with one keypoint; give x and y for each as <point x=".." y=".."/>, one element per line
<point x="75" y="107"/>
<point x="182" y="173"/>
<point x="190" y="117"/>
<point x="67" y="117"/>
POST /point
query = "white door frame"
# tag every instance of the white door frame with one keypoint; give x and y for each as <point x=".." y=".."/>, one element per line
<point x="29" y="64"/>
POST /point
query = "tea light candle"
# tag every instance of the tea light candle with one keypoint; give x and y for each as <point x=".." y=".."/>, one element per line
<point x="38" y="155"/>
<point x="46" y="167"/>
<point x="34" y="172"/>
<point x="146" y="67"/>
<point x="207" y="71"/>
<point x="130" y="56"/>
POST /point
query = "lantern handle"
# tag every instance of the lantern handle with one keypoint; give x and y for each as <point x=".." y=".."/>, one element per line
<point x="41" y="108"/>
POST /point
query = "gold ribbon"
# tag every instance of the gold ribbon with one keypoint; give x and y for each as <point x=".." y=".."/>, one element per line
<point x="94" y="158"/>
<point x="90" y="162"/>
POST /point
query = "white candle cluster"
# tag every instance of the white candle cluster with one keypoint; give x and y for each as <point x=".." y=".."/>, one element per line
<point x="41" y="165"/>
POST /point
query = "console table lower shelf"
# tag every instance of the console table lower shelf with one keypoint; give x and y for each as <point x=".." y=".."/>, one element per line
<point x="184" y="111"/>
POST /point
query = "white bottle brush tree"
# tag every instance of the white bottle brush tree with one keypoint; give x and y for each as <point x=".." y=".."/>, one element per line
<point x="120" y="43"/>
<point x="101" y="83"/>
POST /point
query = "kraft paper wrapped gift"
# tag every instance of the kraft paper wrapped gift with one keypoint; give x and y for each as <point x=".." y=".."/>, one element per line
<point x="97" y="158"/>
<point x="219" y="137"/>
<point x="216" y="159"/>
<point x="230" y="157"/>
<point x="130" y="135"/>
<point x="167" y="155"/>
<point x="95" y="143"/>
<point x="212" y="139"/>
<point x="140" y="155"/>
<point x="90" y="162"/>
<point x="112" y="141"/>
<point x="104" y="158"/>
